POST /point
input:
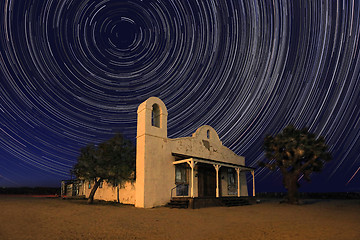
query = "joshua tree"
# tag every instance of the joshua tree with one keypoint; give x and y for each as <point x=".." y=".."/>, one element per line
<point x="112" y="161"/>
<point x="295" y="152"/>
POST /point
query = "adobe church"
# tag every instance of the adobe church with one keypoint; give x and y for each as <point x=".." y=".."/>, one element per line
<point x="191" y="167"/>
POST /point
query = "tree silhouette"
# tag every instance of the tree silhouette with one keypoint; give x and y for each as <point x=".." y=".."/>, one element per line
<point x="112" y="161"/>
<point x="295" y="152"/>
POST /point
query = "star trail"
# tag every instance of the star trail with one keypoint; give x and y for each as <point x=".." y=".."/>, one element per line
<point x="73" y="72"/>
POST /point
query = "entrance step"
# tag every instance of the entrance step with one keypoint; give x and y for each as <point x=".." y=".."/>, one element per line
<point x="201" y="202"/>
<point x="230" y="202"/>
<point x="178" y="203"/>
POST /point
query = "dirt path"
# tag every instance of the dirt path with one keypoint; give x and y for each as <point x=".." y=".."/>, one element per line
<point x="38" y="218"/>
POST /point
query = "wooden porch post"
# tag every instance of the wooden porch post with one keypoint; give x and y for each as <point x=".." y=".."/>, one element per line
<point x="238" y="181"/>
<point x="192" y="164"/>
<point x="253" y="175"/>
<point x="217" y="167"/>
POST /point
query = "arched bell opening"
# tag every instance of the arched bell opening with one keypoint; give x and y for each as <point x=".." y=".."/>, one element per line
<point x="155" y="116"/>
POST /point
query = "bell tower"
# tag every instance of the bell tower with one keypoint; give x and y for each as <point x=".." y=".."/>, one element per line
<point x="151" y="145"/>
<point x="152" y="118"/>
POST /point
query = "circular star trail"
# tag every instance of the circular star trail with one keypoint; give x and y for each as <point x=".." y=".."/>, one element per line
<point x="74" y="73"/>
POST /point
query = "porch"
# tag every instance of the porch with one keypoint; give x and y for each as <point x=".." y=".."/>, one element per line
<point x="207" y="179"/>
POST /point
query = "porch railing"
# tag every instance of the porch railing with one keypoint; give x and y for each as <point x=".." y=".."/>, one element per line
<point x="178" y="185"/>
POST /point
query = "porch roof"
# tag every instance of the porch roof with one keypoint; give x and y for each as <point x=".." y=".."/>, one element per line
<point x="185" y="159"/>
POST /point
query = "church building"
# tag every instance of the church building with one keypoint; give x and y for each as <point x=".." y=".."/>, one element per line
<point x="190" y="167"/>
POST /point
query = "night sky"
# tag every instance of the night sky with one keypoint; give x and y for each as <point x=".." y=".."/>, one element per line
<point x="73" y="72"/>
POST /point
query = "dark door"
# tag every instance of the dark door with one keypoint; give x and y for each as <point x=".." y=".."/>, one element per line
<point x="206" y="181"/>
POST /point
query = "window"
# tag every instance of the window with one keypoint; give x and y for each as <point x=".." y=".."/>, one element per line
<point x="180" y="175"/>
<point x="208" y="134"/>
<point x="232" y="181"/>
<point x="182" y="190"/>
<point x="182" y="186"/>
<point x="89" y="185"/>
<point x="231" y="177"/>
<point x="101" y="184"/>
<point x="155" y="118"/>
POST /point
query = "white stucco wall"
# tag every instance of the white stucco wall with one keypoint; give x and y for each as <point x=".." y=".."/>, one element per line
<point x="108" y="192"/>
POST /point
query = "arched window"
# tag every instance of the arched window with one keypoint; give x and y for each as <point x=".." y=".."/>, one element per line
<point x="155" y="116"/>
<point x="208" y="134"/>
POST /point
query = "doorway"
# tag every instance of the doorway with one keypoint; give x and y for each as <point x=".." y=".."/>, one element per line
<point x="206" y="180"/>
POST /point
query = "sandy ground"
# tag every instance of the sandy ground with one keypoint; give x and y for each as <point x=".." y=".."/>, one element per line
<point x="41" y="218"/>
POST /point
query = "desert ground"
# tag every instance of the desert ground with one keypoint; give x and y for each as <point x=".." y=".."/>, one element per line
<point x="44" y="218"/>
